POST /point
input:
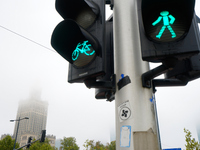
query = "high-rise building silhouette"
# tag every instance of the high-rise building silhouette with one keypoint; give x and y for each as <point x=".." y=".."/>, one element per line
<point x="36" y="110"/>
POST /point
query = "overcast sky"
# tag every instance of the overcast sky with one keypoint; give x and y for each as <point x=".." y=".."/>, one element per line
<point x="28" y="62"/>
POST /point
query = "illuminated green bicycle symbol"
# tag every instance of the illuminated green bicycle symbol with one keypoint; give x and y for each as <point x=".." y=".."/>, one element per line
<point x="166" y="23"/>
<point x="83" y="48"/>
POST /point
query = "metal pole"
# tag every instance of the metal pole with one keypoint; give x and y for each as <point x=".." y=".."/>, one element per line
<point x="16" y="134"/>
<point x="136" y="127"/>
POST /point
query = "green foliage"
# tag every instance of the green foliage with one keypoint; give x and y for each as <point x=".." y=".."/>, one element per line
<point x="41" y="146"/>
<point x="99" y="146"/>
<point x="91" y="145"/>
<point x="69" y="144"/>
<point x="7" y="143"/>
<point x="112" y="145"/>
<point x="191" y="144"/>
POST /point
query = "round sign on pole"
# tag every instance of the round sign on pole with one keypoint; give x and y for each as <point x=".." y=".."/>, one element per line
<point x="125" y="113"/>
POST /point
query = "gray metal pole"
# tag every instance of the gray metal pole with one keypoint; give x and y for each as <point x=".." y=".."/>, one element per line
<point x="16" y="134"/>
<point x="136" y="127"/>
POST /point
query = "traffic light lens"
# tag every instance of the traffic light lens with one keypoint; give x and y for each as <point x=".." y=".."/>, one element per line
<point x="166" y="28"/>
<point x="83" y="48"/>
<point x="83" y="54"/>
<point x="70" y="41"/>
<point x="167" y="20"/>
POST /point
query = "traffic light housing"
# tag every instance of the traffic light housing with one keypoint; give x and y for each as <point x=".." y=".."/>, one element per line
<point x="79" y="38"/>
<point x="29" y="141"/>
<point x="42" y="139"/>
<point x="168" y="29"/>
<point x="103" y="93"/>
<point x="187" y="68"/>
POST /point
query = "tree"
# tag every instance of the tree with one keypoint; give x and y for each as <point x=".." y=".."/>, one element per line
<point x="191" y="144"/>
<point x="91" y="145"/>
<point x="7" y="143"/>
<point x="41" y="146"/>
<point x="111" y="146"/>
<point x="99" y="146"/>
<point x="69" y="144"/>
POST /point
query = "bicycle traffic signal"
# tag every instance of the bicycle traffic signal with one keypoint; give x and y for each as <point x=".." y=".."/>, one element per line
<point x="168" y="29"/>
<point x="79" y="38"/>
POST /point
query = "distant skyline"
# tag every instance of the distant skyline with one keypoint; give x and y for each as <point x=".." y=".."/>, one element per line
<point x="36" y="110"/>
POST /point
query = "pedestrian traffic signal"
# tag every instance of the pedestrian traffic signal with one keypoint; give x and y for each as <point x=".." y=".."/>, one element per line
<point x="164" y="18"/>
<point x="168" y="29"/>
<point x="79" y="38"/>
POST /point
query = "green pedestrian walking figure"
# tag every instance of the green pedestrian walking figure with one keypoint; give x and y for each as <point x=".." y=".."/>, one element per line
<point x="166" y="23"/>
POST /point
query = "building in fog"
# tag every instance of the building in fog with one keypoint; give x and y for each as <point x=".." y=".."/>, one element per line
<point x="51" y="139"/>
<point x="58" y="144"/>
<point x="4" y="135"/>
<point x="36" y="110"/>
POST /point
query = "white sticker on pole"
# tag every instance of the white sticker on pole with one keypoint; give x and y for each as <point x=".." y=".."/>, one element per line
<point x="125" y="136"/>
<point x="124" y="111"/>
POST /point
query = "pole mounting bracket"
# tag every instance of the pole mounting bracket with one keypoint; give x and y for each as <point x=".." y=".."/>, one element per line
<point x="108" y="85"/>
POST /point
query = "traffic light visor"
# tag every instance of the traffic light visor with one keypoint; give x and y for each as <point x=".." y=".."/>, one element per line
<point x="78" y="10"/>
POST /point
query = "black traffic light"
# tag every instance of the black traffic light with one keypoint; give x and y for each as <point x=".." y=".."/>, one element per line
<point x="187" y="68"/>
<point x="79" y="38"/>
<point x="42" y="139"/>
<point x="168" y="29"/>
<point x="105" y="93"/>
<point x="29" y="141"/>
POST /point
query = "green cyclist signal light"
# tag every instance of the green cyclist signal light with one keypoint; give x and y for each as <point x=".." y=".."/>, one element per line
<point x="83" y="54"/>
<point x="166" y="23"/>
<point x="83" y="48"/>
<point x="74" y="43"/>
